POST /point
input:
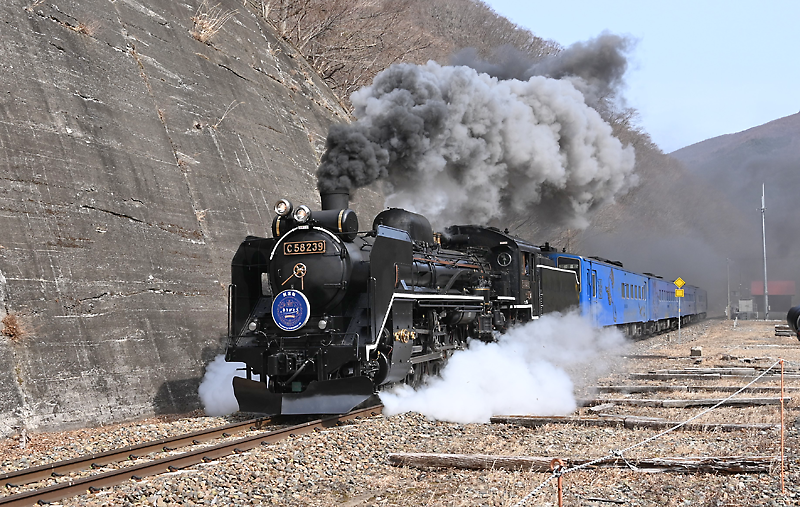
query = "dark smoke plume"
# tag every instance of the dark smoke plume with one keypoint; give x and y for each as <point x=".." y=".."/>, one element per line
<point x="596" y="67"/>
<point x="459" y="145"/>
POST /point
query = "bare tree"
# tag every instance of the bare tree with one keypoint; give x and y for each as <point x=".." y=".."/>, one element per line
<point x="471" y="23"/>
<point x="346" y="41"/>
<point x="349" y="41"/>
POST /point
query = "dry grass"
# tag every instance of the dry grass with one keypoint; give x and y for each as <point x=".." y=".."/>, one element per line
<point x="208" y="20"/>
<point x="89" y="28"/>
<point x="13" y="327"/>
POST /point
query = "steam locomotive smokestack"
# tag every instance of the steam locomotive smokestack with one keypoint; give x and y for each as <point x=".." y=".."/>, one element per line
<point x="335" y="199"/>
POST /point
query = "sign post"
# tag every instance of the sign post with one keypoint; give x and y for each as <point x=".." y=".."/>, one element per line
<point x="678" y="295"/>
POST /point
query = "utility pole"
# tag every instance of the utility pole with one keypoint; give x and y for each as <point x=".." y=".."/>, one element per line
<point x="728" y="268"/>
<point x="764" y="242"/>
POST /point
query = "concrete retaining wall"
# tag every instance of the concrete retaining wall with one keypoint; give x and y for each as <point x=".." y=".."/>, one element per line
<point x="133" y="160"/>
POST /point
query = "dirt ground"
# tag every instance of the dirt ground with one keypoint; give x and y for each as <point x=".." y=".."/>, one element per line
<point x="746" y="350"/>
<point x="349" y="465"/>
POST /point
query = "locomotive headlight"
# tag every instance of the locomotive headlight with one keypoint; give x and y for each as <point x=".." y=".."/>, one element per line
<point x="253" y="325"/>
<point x="302" y="214"/>
<point x="283" y="208"/>
<point x="322" y="324"/>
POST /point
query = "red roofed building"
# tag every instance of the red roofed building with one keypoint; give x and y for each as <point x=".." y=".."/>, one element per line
<point x="780" y="294"/>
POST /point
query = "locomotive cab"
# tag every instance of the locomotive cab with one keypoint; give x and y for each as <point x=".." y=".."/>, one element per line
<point x="524" y="283"/>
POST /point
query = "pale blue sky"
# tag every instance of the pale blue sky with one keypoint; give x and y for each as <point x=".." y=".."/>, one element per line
<point x="700" y="69"/>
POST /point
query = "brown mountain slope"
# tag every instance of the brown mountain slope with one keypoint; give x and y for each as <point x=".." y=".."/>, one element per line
<point x="738" y="164"/>
<point x="778" y="137"/>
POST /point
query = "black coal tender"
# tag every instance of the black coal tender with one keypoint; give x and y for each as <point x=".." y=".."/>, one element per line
<point x="327" y="315"/>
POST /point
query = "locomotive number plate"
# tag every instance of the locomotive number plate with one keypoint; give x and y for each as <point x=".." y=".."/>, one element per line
<point x="304" y="247"/>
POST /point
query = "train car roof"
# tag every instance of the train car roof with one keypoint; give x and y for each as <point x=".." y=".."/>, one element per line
<point x="613" y="264"/>
<point x="596" y="259"/>
<point x="493" y="235"/>
<point x="592" y="258"/>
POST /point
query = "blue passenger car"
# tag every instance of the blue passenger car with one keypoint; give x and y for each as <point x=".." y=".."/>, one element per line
<point x="636" y="303"/>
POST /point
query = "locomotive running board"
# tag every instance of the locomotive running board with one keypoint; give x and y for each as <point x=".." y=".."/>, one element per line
<point x="337" y="396"/>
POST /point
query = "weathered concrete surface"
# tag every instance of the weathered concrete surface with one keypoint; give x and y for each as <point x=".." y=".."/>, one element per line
<point x="125" y="189"/>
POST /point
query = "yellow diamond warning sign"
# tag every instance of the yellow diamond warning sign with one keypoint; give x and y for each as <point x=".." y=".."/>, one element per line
<point x="678" y="293"/>
<point x="679" y="282"/>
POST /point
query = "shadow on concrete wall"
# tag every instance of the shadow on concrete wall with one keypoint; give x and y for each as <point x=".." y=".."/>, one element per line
<point x="180" y="395"/>
<point x="177" y="396"/>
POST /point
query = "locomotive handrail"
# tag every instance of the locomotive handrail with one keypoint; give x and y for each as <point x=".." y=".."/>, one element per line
<point x="460" y="307"/>
<point x="231" y="291"/>
<point x="446" y="263"/>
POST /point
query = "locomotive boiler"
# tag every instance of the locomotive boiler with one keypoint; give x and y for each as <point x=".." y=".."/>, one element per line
<point x="327" y="314"/>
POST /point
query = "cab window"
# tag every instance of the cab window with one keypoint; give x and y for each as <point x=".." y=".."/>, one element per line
<point x="571" y="264"/>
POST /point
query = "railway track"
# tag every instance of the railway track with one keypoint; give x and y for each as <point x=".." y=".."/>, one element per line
<point x="67" y="486"/>
<point x="132" y="453"/>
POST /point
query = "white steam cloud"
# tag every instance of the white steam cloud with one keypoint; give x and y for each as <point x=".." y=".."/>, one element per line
<point x="531" y="369"/>
<point x="461" y="146"/>
<point x="216" y="389"/>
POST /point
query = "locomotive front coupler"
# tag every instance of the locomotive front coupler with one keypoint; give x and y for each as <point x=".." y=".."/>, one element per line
<point x="296" y="373"/>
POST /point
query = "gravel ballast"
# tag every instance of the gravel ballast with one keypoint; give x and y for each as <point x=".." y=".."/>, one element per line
<point x="347" y="465"/>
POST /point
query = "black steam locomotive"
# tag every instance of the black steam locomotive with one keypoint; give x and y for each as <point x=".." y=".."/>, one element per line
<point x="327" y="315"/>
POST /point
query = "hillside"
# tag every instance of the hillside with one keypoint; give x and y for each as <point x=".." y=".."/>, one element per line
<point x="737" y="165"/>
<point x="776" y="139"/>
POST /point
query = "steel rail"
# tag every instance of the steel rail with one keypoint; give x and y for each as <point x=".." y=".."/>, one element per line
<point x="59" y="468"/>
<point x="173" y="463"/>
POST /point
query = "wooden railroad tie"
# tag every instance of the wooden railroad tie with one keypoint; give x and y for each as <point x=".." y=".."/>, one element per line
<point x="690" y="464"/>
<point x="708" y="376"/>
<point x="730" y="371"/>
<point x="628" y="422"/>
<point x="706" y="402"/>
<point x="632" y="389"/>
